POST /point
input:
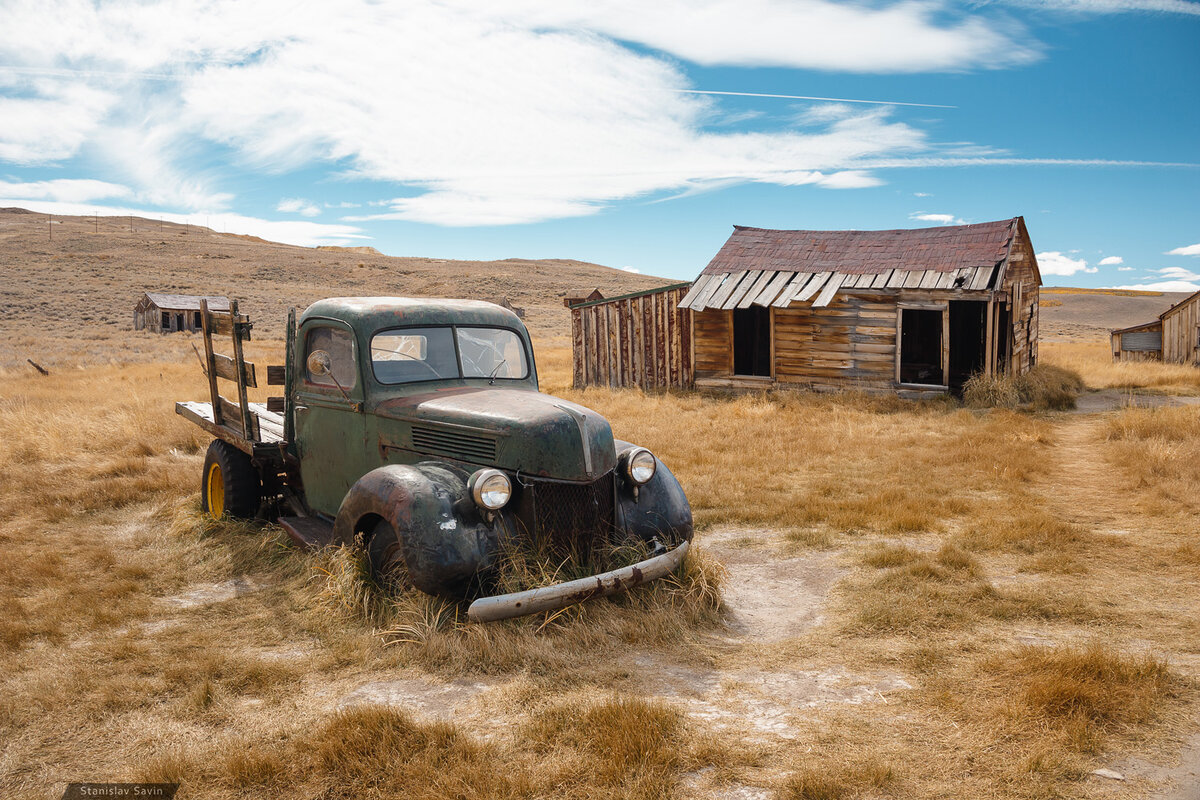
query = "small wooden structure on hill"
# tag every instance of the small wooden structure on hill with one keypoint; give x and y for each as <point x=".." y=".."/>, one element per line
<point x="913" y="311"/>
<point x="169" y="313"/>
<point x="582" y="296"/>
<point x="1174" y="337"/>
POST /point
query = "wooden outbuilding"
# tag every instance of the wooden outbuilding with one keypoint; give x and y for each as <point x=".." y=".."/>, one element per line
<point x="582" y="296"/>
<point x="914" y="311"/>
<point x="1174" y="337"/>
<point x="170" y="313"/>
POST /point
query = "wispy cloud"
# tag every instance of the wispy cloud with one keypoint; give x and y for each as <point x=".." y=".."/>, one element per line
<point x="296" y="205"/>
<point x="939" y="219"/>
<point x="1189" y="250"/>
<point x="1161" y="286"/>
<point x="65" y="190"/>
<point x="1115" y="6"/>
<point x="1125" y="269"/>
<point x="1054" y="262"/>
<point x="1179" y="274"/>
<point x="1111" y="261"/>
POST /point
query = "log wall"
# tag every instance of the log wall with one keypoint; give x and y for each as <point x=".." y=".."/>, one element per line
<point x="849" y="344"/>
<point x="642" y="340"/>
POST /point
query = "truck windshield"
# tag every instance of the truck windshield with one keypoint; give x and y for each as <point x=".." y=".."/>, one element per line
<point x="407" y="355"/>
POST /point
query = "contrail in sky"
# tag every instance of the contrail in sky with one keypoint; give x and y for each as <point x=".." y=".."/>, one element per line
<point x="805" y="97"/>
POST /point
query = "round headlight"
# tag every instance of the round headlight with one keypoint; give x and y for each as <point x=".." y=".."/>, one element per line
<point x="490" y="488"/>
<point x="640" y="466"/>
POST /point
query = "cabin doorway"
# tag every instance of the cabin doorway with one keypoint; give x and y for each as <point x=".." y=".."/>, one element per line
<point x="752" y="341"/>
<point x="921" y="347"/>
<point x="968" y="341"/>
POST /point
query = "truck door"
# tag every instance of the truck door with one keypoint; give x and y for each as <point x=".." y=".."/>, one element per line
<point x="330" y="426"/>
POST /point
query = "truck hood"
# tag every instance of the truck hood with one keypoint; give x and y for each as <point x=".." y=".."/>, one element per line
<point x="527" y="431"/>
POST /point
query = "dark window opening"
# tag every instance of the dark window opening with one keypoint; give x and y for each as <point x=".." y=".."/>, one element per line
<point x="1003" y="338"/>
<point x="968" y="340"/>
<point x="752" y="341"/>
<point x="921" y="347"/>
<point x="196" y="321"/>
<point x="179" y="322"/>
<point x="166" y="321"/>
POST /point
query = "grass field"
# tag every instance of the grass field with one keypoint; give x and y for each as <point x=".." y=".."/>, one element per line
<point x="954" y="603"/>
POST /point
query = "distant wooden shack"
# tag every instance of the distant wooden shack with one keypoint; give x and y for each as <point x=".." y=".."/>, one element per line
<point x="912" y="311"/>
<point x="1174" y="337"/>
<point x="585" y="296"/>
<point x="170" y="313"/>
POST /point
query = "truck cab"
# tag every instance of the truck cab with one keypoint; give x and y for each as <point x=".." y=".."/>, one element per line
<point x="416" y="428"/>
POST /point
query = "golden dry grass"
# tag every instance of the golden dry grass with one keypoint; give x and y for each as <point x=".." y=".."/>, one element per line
<point x="1093" y="362"/>
<point x="958" y="532"/>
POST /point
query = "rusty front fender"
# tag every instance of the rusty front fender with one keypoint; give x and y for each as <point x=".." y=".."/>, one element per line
<point x="444" y="541"/>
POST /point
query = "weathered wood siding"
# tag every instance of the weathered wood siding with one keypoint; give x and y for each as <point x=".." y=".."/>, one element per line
<point x="1181" y="332"/>
<point x="851" y="343"/>
<point x="1023" y="294"/>
<point x="641" y="340"/>
<point x="714" y="342"/>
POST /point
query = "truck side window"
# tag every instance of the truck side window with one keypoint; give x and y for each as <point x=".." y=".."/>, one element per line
<point x="340" y="346"/>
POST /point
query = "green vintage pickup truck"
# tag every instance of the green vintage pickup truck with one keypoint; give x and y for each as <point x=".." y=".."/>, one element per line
<point x="415" y="428"/>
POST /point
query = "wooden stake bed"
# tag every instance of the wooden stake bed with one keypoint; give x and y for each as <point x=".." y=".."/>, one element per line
<point x="267" y="424"/>
<point x="243" y="424"/>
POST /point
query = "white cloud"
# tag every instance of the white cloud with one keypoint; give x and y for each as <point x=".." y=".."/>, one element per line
<point x="297" y="232"/>
<point x="1189" y="250"/>
<point x="296" y="205"/>
<point x="1116" y="6"/>
<point x="939" y="219"/>
<point x="634" y="270"/>
<point x="1054" y="262"/>
<point x="550" y="115"/>
<point x="1111" y="261"/>
<point x="1162" y="286"/>
<point x="1125" y="269"/>
<point x="1179" y="273"/>
<point x="922" y="194"/>
<point x="67" y="190"/>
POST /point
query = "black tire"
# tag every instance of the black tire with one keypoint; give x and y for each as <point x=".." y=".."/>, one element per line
<point x="240" y="491"/>
<point x="388" y="567"/>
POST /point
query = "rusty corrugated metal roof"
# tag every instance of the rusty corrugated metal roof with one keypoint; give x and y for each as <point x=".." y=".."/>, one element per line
<point x="941" y="249"/>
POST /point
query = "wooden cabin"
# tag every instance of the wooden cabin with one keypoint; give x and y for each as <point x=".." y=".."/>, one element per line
<point x="582" y="296"/>
<point x="1174" y="337"/>
<point x="170" y="313"/>
<point x="913" y="311"/>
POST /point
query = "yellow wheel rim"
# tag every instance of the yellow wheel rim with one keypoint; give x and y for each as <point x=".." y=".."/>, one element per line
<point x="215" y="488"/>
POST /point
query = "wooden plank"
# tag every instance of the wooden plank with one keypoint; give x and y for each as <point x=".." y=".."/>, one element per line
<point x="226" y="368"/>
<point x="702" y="302"/>
<point x="828" y="291"/>
<point x="989" y="357"/>
<point x="718" y="298"/>
<point x="755" y="289"/>
<point x="231" y="412"/>
<point x="577" y="353"/>
<point x="239" y="374"/>
<point x="812" y="287"/>
<point x="219" y="322"/>
<point x="743" y="287"/>
<point x="697" y="287"/>
<point x="983" y="276"/>
<point x="209" y="369"/>
<point x="276" y="375"/>
<point x="675" y="355"/>
<point x="929" y="279"/>
<point x="661" y="346"/>
<point x="896" y="279"/>
<point x="797" y="281"/>
<point x="945" y="280"/>
<point x="688" y="374"/>
<point x="776" y="285"/>
<point x="899" y="341"/>
<point x="946" y="346"/>
<point x="912" y="280"/>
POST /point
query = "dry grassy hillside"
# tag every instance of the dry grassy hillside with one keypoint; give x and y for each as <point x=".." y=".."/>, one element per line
<point x="70" y="299"/>
<point x="1071" y="314"/>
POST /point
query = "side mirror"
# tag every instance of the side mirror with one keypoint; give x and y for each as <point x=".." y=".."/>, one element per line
<point x="319" y="363"/>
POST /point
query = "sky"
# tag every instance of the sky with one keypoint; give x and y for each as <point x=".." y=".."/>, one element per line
<point x="624" y="133"/>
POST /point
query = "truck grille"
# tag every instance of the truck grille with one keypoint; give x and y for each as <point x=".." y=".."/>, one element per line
<point x="460" y="445"/>
<point x="568" y="517"/>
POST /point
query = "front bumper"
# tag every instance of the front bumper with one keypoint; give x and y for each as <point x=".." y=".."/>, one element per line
<point x="561" y="595"/>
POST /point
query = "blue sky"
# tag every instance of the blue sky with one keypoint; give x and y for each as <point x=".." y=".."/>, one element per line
<point x="518" y="128"/>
